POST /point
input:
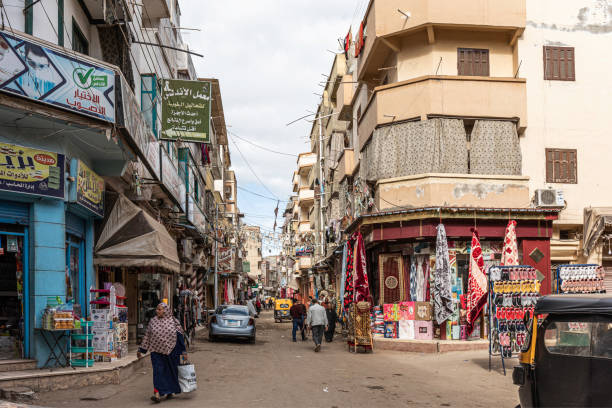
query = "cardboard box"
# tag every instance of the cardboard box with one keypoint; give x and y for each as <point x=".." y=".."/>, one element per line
<point x="446" y="330"/>
<point x="423" y="330"/>
<point x="391" y="329"/>
<point x="102" y="319"/>
<point x="406" y="311"/>
<point x="102" y="341"/>
<point x="456" y="330"/>
<point x="121" y="332"/>
<point x="104" y="357"/>
<point x="406" y="330"/>
<point x="391" y="312"/>
<point x="422" y="311"/>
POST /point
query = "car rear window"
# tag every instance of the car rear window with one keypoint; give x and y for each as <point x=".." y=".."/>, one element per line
<point x="284" y="306"/>
<point x="236" y="311"/>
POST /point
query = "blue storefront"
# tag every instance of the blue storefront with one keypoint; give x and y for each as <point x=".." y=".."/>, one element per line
<point x="55" y="146"/>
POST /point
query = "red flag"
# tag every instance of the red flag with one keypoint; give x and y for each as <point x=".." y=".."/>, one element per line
<point x="347" y="42"/>
<point x="359" y="44"/>
<point x="477" y="283"/>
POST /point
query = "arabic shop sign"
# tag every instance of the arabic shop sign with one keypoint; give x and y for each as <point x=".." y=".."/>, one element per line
<point x="90" y="189"/>
<point x="31" y="171"/>
<point x="186" y="110"/>
<point x="47" y="75"/>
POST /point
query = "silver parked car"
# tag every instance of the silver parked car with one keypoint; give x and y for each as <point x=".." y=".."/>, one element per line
<point x="232" y="321"/>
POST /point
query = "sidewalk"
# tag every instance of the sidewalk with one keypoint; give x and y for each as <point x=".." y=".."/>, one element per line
<point x="429" y="346"/>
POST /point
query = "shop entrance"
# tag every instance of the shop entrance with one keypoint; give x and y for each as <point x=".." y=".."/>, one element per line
<point x="13" y="292"/>
<point x="75" y="279"/>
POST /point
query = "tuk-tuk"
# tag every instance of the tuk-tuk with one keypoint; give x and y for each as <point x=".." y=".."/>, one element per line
<point x="567" y="357"/>
<point x="281" y="310"/>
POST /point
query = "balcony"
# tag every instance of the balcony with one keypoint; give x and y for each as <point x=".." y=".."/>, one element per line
<point x="304" y="227"/>
<point x="305" y="197"/>
<point x="305" y="162"/>
<point x="344" y="98"/>
<point x="296" y="182"/>
<point x="346" y="164"/>
<point x="304" y="262"/>
<point x="453" y="190"/>
<point x="385" y="25"/>
<point x="452" y="96"/>
<point x="156" y="9"/>
<point x="338" y="71"/>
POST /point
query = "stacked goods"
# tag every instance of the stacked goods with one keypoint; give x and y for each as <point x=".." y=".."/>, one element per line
<point x="378" y="322"/>
<point x="103" y="332"/>
<point x="57" y="318"/>
<point x="408" y="321"/>
<point x="391" y="318"/>
<point x="581" y="279"/>
<point x="110" y="327"/>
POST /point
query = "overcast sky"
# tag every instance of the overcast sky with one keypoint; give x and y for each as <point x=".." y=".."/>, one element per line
<point x="268" y="56"/>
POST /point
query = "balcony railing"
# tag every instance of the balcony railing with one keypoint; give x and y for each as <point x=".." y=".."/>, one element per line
<point x="305" y="162"/>
<point x="305" y="197"/>
<point x="451" y="96"/>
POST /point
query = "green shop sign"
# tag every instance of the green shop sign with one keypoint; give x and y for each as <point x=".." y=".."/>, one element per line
<point x="186" y="110"/>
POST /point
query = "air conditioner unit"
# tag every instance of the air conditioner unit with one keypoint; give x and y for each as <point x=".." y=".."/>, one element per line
<point x="549" y="198"/>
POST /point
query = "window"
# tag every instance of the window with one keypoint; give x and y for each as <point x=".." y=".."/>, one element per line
<point x="79" y="41"/>
<point x="60" y="23"/>
<point x="29" y="16"/>
<point x="148" y="100"/>
<point x="472" y="62"/>
<point x="583" y="338"/>
<point x="559" y="64"/>
<point x="561" y="165"/>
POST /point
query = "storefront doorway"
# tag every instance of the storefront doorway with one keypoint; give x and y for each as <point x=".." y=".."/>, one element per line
<point x="75" y="278"/>
<point x="13" y="292"/>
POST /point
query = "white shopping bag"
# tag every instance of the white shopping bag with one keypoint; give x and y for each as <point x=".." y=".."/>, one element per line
<point x="187" y="378"/>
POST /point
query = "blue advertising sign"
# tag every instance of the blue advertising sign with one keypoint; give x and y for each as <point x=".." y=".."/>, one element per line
<point x="47" y="75"/>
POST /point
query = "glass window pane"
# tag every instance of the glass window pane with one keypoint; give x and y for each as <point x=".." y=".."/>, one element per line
<point x="602" y="339"/>
<point x="569" y="338"/>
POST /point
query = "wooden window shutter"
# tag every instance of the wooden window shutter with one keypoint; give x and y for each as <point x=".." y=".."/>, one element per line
<point x="559" y="63"/>
<point x="561" y="166"/>
<point x="472" y="62"/>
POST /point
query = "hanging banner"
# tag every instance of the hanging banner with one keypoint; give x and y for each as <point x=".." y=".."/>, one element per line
<point x="185" y="110"/>
<point x="31" y="171"/>
<point x="90" y="190"/>
<point x="48" y="75"/>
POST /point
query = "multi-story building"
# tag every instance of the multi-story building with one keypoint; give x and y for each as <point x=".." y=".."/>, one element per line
<point x="100" y="194"/>
<point x="304" y="207"/>
<point x="467" y="114"/>
<point x="252" y="244"/>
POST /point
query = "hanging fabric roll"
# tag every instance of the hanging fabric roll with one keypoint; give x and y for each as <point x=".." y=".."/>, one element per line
<point x="413" y="278"/>
<point x="477" y="283"/>
<point x="362" y="287"/>
<point x="420" y="278"/>
<point x="442" y="291"/>
<point x="343" y="276"/>
<point x="510" y="251"/>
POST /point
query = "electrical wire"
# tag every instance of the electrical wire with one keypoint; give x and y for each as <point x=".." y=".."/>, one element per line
<point x="261" y="195"/>
<point x="261" y="147"/>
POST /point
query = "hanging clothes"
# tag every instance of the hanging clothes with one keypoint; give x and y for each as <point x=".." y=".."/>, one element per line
<point x="362" y="287"/>
<point x="442" y="291"/>
<point x="348" y="285"/>
<point x="510" y="250"/>
<point x="420" y="278"/>
<point x="426" y="269"/>
<point x="413" y="279"/>
<point x="477" y="283"/>
<point x="343" y="278"/>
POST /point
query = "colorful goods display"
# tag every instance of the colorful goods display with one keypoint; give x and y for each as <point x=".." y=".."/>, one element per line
<point x="406" y="330"/>
<point x="58" y="317"/>
<point x="406" y="311"/>
<point x="391" y="312"/>
<point x="514" y="291"/>
<point x="109" y="319"/>
<point x="360" y="331"/>
<point x="580" y="279"/>
<point x="391" y="330"/>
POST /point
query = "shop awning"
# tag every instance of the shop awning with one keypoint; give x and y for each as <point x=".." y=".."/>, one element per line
<point x="596" y="219"/>
<point x="131" y="237"/>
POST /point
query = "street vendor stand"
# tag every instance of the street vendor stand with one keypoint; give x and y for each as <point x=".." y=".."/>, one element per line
<point x="359" y="329"/>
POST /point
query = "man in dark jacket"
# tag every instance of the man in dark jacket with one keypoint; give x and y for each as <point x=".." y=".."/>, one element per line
<point x="297" y="312"/>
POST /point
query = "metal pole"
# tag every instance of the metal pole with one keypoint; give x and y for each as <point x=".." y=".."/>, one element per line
<point x="216" y="258"/>
<point x="321" y="189"/>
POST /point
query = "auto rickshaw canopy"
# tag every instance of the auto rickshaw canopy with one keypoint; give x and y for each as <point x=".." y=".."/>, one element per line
<point x="599" y="304"/>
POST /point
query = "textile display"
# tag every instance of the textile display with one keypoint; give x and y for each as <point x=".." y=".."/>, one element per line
<point x="360" y="277"/>
<point x="406" y="330"/>
<point x="510" y="251"/>
<point x="420" y="279"/>
<point x="413" y="280"/>
<point x="442" y="291"/>
<point x="427" y="278"/>
<point x="495" y="148"/>
<point x="343" y="278"/>
<point x="477" y="284"/>
<point x="362" y="327"/>
<point x="348" y="285"/>
<point x="391" y="312"/>
<point x="406" y="278"/>
<point x="430" y="146"/>
<point x="391" y="329"/>
<point x="391" y="278"/>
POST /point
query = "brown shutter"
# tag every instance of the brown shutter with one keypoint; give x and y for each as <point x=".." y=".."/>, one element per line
<point x="549" y="166"/>
<point x="472" y="62"/>
<point x="561" y="166"/>
<point x="559" y="63"/>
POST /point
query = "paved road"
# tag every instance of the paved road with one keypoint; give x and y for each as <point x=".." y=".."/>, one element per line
<point x="276" y="372"/>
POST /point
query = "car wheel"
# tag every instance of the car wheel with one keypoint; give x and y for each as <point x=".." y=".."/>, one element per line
<point x="211" y="338"/>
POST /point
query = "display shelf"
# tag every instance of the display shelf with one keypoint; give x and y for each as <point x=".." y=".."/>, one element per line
<point x="82" y="336"/>
<point x="82" y="349"/>
<point x="82" y="363"/>
<point x="100" y="302"/>
<point x="99" y="290"/>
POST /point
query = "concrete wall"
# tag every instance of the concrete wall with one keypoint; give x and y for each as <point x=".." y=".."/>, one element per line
<point x="569" y="114"/>
<point x="426" y="190"/>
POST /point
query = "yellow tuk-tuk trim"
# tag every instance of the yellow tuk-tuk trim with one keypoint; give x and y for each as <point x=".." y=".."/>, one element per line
<point x="528" y="357"/>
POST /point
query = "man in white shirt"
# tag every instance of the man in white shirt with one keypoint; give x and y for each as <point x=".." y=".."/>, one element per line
<point x="317" y="321"/>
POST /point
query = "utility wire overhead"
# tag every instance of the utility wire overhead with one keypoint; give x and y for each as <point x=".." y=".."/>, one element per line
<point x="261" y="147"/>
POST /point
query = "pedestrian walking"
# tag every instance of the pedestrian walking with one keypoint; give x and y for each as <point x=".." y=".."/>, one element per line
<point x="317" y="321"/>
<point x="298" y="313"/>
<point x="332" y="316"/>
<point x="258" y="306"/>
<point x="164" y="339"/>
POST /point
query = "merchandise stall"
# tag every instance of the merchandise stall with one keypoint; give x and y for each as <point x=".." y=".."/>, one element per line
<point x="580" y="278"/>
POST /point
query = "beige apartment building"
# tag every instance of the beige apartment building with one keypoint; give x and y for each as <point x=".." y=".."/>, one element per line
<point x="468" y="113"/>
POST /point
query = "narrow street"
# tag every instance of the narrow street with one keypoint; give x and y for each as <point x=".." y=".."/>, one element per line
<point x="276" y="372"/>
